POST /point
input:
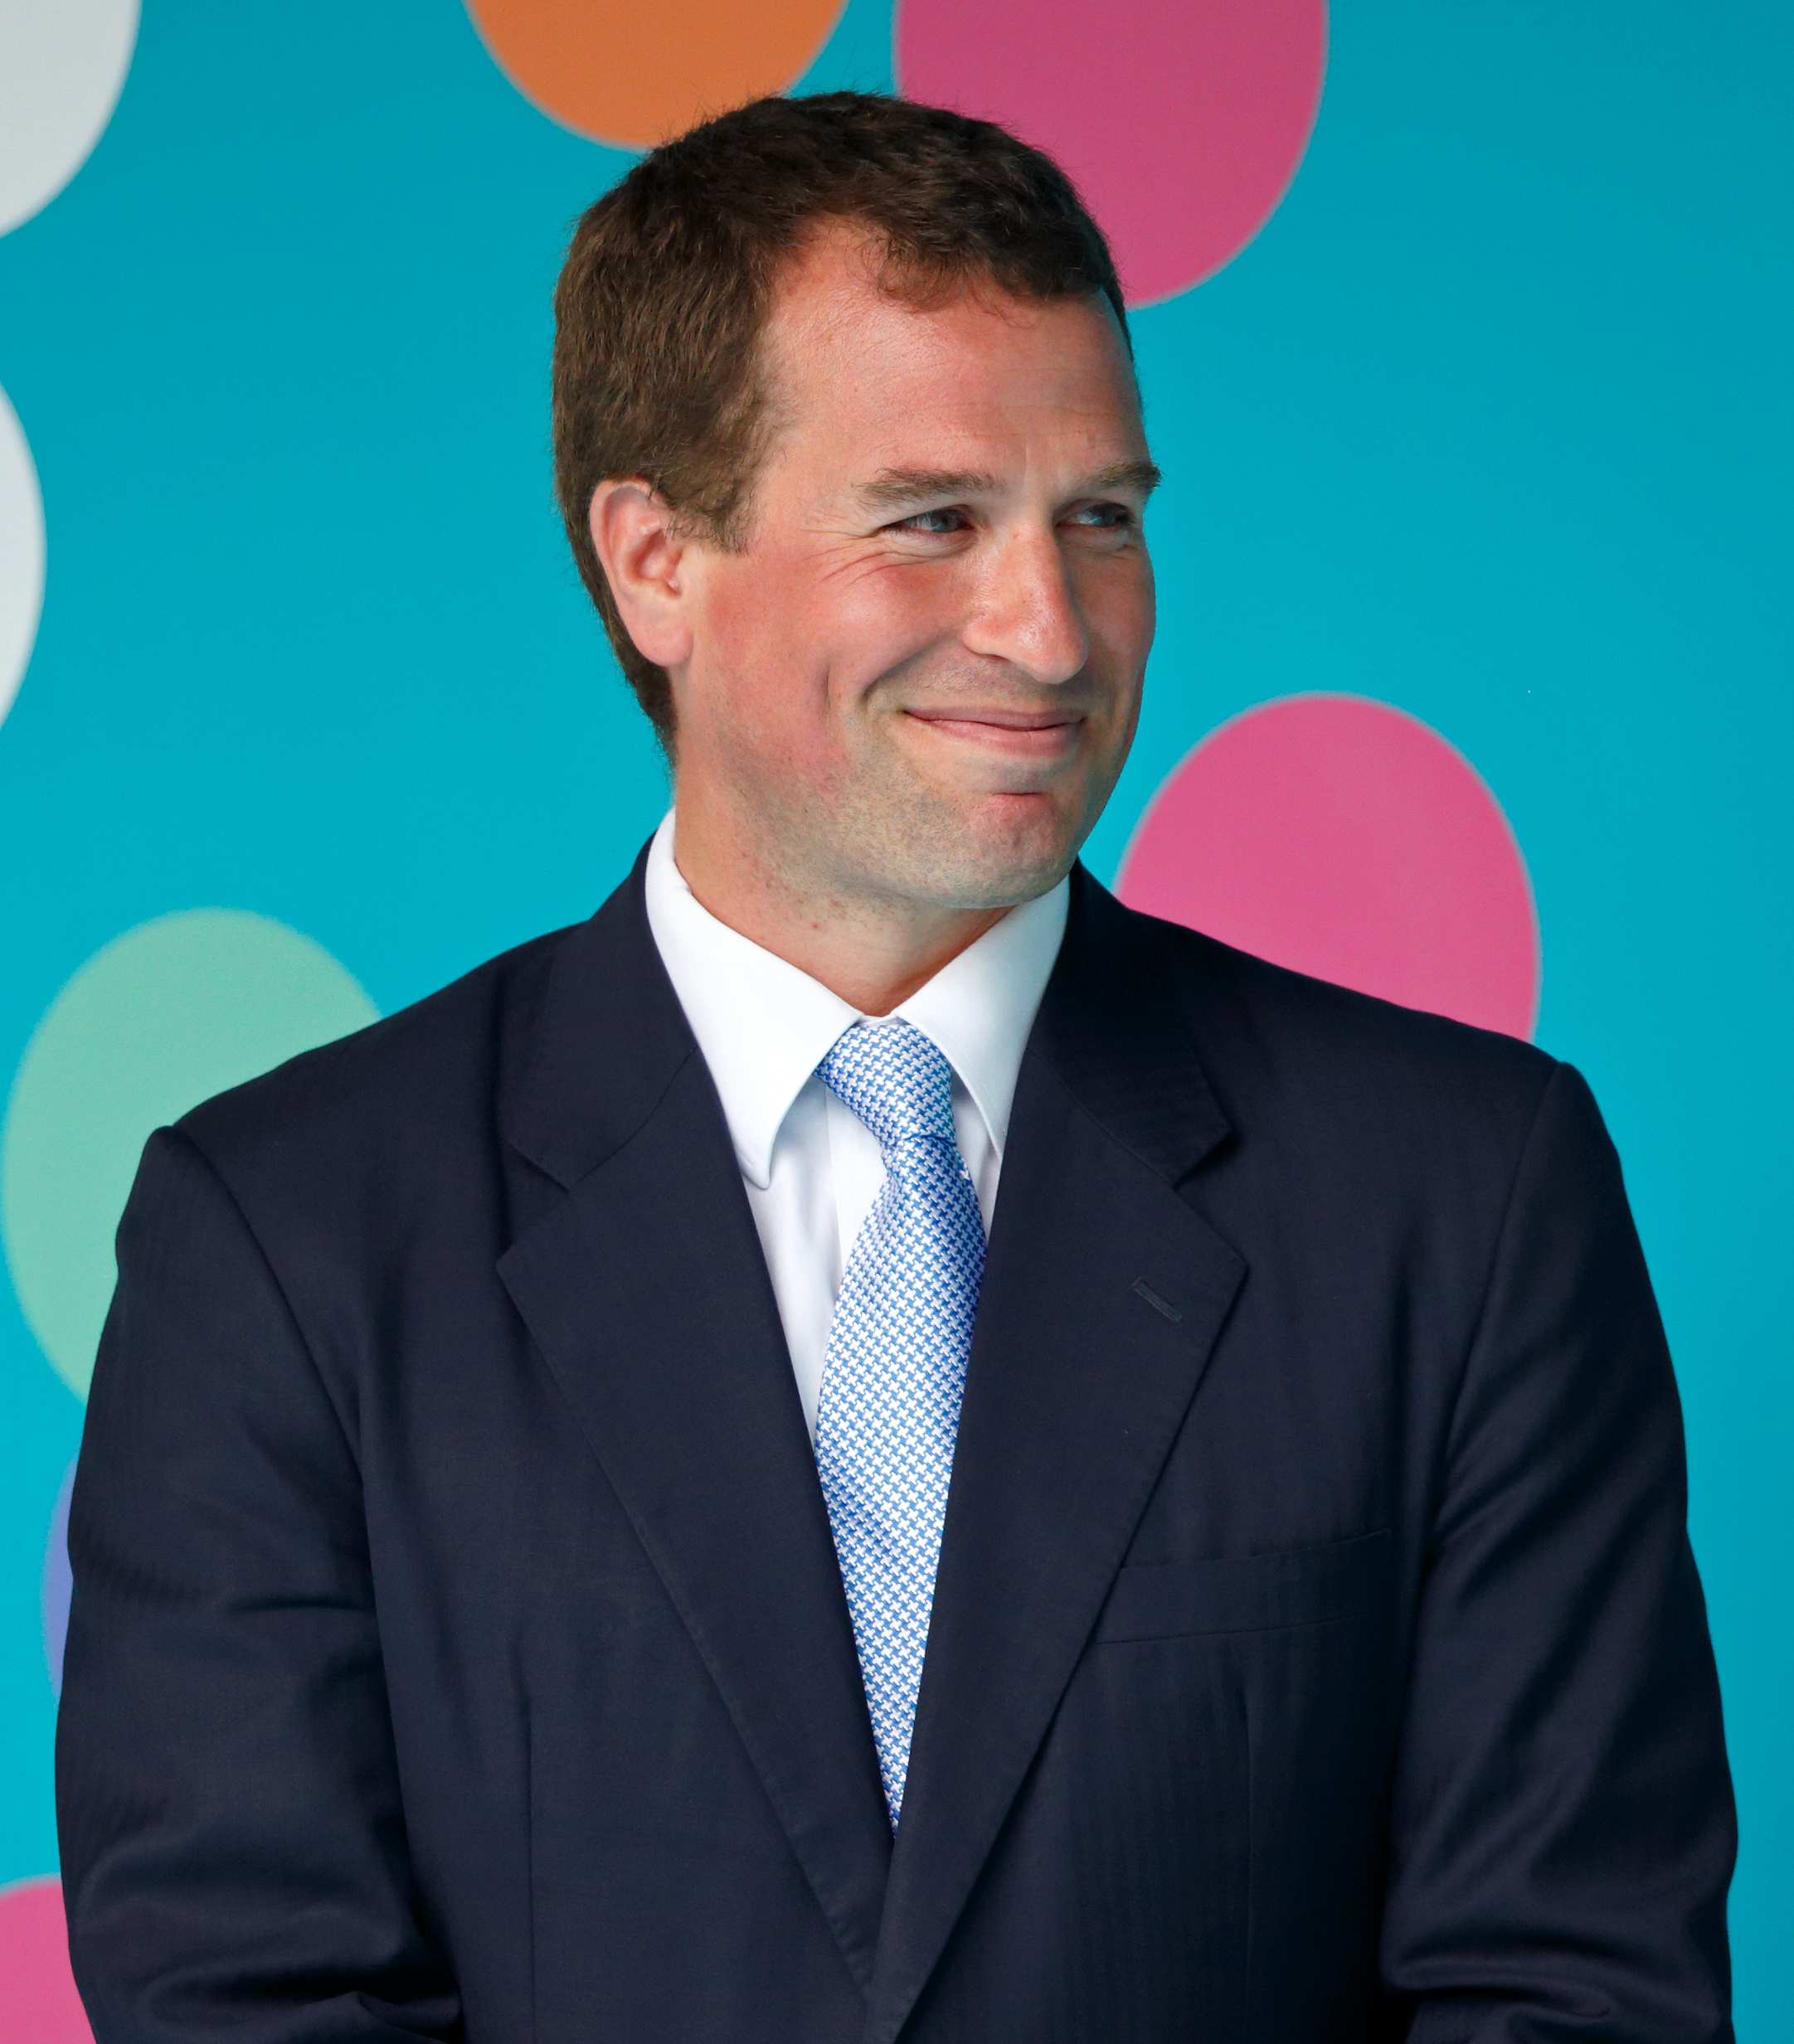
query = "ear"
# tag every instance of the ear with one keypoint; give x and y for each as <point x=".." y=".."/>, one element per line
<point x="640" y="551"/>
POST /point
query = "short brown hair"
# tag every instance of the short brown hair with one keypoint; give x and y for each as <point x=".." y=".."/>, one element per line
<point x="669" y="279"/>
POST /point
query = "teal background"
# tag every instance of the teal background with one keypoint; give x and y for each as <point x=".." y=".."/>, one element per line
<point x="1492" y="422"/>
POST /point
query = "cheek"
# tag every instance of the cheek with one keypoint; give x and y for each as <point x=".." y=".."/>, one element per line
<point x="759" y="689"/>
<point x="749" y="665"/>
<point x="873" y="611"/>
<point x="1119" y="609"/>
<point x="790" y="646"/>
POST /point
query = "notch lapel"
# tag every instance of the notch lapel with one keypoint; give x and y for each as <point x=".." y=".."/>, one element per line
<point x="647" y="1292"/>
<point x="1104" y="1292"/>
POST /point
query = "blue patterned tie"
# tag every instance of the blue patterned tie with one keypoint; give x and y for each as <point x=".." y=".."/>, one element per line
<point x="896" y="1366"/>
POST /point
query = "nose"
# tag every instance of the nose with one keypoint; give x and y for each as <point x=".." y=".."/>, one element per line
<point x="1027" y="613"/>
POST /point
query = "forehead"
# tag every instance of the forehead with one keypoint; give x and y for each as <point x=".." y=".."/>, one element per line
<point x="872" y="377"/>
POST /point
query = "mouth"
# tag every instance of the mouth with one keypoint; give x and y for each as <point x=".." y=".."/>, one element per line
<point x="1015" y="734"/>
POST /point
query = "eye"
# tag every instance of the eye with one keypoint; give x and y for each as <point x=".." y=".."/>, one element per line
<point x="1103" y="517"/>
<point x="934" y="523"/>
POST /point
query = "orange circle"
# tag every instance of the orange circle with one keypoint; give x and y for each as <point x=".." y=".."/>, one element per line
<point x="632" y="76"/>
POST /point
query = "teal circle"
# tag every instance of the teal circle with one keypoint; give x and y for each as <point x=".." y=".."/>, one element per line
<point x="157" y="1021"/>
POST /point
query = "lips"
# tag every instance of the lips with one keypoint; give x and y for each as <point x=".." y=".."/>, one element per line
<point x="1033" y="734"/>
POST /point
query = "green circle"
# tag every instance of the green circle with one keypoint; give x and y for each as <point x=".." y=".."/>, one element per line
<point x="160" y="1019"/>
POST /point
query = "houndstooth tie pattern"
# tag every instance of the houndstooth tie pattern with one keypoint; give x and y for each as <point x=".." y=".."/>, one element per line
<point x="896" y="1366"/>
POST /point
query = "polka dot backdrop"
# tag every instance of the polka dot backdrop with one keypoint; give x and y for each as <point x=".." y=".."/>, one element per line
<point x="22" y="555"/>
<point x="632" y="76"/>
<point x="38" y="2003"/>
<point x="58" y="1588"/>
<point x="1468" y="378"/>
<point x="63" y="67"/>
<point x="1345" y="838"/>
<point x="1182" y="123"/>
<point x="161" y="1018"/>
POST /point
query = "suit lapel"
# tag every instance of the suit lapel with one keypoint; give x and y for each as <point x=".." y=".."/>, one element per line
<point x="646" y="1290"/>
<point x="1104" y="1292"/>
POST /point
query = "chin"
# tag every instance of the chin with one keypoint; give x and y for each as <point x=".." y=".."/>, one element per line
<point x="951" y="847"/>
<point x="992" y="862"/>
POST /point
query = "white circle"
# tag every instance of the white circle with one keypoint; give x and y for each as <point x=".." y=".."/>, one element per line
<point x="21" y="553"/>
<point x="62" y="67"/>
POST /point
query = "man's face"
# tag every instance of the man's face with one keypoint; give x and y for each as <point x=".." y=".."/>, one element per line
<point x="917" y="681"/>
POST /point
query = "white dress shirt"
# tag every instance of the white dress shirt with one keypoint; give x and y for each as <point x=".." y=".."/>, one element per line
<point x="810" y="1165"/>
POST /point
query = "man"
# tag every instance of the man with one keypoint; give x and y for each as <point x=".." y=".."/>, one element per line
<point x="869" y="1443"/>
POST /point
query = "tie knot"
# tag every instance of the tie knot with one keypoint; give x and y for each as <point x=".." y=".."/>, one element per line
<point x="895" y="1079"/>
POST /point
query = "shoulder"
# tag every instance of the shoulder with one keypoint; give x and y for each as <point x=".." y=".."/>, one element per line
<point x="1280" y="1048"/>
<point x="421" y="1082"/>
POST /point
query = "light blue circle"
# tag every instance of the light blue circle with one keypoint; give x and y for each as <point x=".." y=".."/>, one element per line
<point x="161" y="1018"/>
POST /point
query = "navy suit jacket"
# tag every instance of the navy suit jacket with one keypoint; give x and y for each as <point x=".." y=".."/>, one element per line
<point x="458" y="1650"/>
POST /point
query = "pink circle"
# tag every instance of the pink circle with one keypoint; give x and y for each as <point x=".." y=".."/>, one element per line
<point x="38" y="2004"/>
<point x="1349" y="840"/>
<point x="1181" y="121"/>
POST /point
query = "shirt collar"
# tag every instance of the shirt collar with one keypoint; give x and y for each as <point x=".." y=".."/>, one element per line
<point x="979" y="1008"/>
<point x="764" y="1025"/>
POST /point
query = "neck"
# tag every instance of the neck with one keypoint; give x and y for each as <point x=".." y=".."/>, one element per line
<point x="873" y="951"/>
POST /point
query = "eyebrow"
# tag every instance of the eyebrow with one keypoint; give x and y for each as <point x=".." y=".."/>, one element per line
<point x="1141" y="475"/>
<point x="890" y="488"/>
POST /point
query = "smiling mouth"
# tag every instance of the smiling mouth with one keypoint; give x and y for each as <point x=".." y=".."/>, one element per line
<point x="1029" y="734"/>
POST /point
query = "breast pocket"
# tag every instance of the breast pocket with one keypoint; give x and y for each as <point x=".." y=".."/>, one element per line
<point x="1248" y="1592"/>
